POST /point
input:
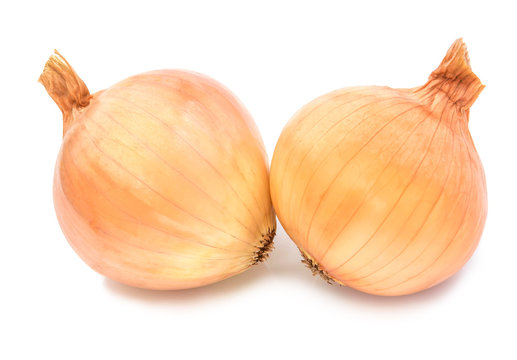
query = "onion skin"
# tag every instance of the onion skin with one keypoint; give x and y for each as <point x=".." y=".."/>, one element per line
<point x="162" y="180"/>
<point x="382" y="189"/>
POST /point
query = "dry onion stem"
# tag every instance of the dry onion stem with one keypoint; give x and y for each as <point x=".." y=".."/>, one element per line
<point x="382" y="189"/>
<point x="162" y="179"/>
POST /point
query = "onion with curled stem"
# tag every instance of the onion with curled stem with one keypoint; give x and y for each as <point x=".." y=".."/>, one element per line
<point x="162" y="179"/>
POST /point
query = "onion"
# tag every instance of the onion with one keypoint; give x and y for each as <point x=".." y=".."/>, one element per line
<point x="382" y="189"/>
<point x="162" y="179"/>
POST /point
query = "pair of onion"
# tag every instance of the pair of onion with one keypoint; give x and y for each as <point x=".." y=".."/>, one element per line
<point x="162" y="180"/>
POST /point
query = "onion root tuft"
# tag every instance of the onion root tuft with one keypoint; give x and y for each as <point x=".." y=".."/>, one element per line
<point x="266" y="245"/>
<point x="316" y="269"/>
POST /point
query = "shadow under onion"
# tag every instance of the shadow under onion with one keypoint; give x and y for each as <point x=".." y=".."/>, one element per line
<point x="284" y="264"/>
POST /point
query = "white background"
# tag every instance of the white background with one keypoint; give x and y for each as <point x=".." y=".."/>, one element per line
<point x="275" y="56"/>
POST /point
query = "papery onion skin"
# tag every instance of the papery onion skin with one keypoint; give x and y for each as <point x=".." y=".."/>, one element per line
<point x="382" y="189"/>
<point x="162" y="179"/>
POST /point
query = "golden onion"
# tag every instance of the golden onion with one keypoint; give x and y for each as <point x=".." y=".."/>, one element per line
<point x="382" y="189"/>
<point x="162" y="179"/>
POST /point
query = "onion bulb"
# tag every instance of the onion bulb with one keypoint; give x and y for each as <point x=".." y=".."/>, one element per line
<point x="162" y="179"/>
<point x="382" y="189"/>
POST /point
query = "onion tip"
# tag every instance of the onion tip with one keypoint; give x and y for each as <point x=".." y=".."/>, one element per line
<point x="64" y="86"/>
<point x="454" y="77"/>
